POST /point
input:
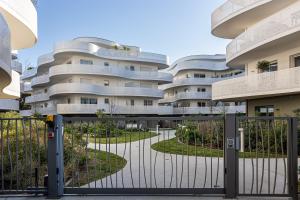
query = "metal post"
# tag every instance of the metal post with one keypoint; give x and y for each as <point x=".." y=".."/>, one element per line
<point x="293" y="158"/>
<point x="55" y="156"/>
<point x="231" y="157"/>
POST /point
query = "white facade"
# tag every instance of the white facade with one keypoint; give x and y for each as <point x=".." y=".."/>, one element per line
<point x="190" y="92"/>
<point x="86" y="75"/>
<point x="18" y="30"/>
<point x="261" y="31"/>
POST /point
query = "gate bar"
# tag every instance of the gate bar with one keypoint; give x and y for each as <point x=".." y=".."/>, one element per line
<point x="231" y="183"/>
<point x="55" y="157"/>
<point x="293" y="157"/>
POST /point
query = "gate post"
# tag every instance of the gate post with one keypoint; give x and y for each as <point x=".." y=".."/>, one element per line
<point x="231" y="181"/>
<point x="55" y="156"/>
<point x="293" y="157"/>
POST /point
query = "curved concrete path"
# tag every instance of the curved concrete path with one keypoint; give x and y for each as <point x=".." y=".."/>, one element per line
<point x="147" y="168"/>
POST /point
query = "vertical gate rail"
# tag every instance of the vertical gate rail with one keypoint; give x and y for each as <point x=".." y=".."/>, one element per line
<point x="23" y="162"/>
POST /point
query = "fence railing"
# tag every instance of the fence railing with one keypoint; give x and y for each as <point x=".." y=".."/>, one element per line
<point x="23" y="162"/>
<point x="231" y="155"/>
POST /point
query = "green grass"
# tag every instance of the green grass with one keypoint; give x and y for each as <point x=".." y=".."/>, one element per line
<point x="100" y="164"/>
<point x="124" y="138"/>
<point x="174" y="147"/>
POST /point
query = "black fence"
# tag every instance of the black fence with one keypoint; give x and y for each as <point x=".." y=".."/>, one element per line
<point x="228" y="156"/>
<point x="23" y="155"/>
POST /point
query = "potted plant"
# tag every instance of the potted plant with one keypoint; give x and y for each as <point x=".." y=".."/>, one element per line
<point x="263" y="65"/>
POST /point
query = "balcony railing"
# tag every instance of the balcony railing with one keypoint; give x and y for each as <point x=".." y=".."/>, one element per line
<point x="210" y="110"/>
<point x="39" y="80"/>
<point x="274" y="27"/>
<point x="112" y="109"/>
<point x="229" y="8"/>
<point x="186" y="95"/>
<point x="259" y="85"/>
<point x="37" y="98"/>
<point x="69" y="69"/>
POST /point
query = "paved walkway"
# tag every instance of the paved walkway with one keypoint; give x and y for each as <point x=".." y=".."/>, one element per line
<point x="147" y="168"/>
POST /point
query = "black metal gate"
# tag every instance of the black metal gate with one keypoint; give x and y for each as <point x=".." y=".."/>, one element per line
<point x="229" y="156"/>
<point x="268" y="156"/>
<point x="182" y="155"/>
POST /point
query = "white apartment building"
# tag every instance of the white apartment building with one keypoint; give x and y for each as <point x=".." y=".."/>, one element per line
<point x="265" y="38"/>
<point x="18" y="30"/>
<point x="190" y="92"/>
<point x="87" y="75"/>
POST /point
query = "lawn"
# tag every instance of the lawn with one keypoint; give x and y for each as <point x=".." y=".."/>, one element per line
<point x="174" y="147"/>
<point x="122" y="138"/>
<point x="100" y="164"/>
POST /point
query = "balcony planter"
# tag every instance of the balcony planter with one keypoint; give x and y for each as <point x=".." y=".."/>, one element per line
<point x="263" y="65"/>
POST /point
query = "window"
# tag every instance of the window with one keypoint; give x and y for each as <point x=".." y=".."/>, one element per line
<point x="201" y="89"/>
<point x="85" y="100"/>
<point x="186" y="90"/>
<point x="86" y="62"/>
<point x="199" y="75"/>
<point x="201" y="104"/>
<point x="132" y="102"/>
<point x="270" y="68"/>
<point x="106" y="64"/>
<point x="295" y="60"/>
<point x="45" y="105"/>
<point x="106" y="100"/>
<point x="148" y="102"/>
<point x="106" y="82"/>
<point x="264" y="110"/>
<point x="46" y="90"/>
<point x="187" y="76"/>
<point x="69" y="100"/>
<point x="132" y="68"/>
<point x="185" y="104"/>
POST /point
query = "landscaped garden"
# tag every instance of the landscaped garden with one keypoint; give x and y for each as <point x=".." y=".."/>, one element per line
<point x="206" y="139"/>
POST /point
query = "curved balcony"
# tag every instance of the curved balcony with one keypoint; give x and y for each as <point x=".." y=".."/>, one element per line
<point x="16" y="66"/>
<point x="121" y="110"/>
<point x="186" y="96"/>
<point x="195" y="81"/>
<point x="37" y="98"/>
<point x="28" y="74"/>
<point x="26" y="87"/>
<point x="21" y="17"/>
<point x="12" y="91"/>
<point x="268" y="37"/>
<point x="209" y="110"/>
<point x="40" y="80"/>
<point x="75" y="46"/>
<point x="72" y="69"/>
<point x="5" y="56"/>
<point x="283" y="82"/>
<point x="80" y="88"/>
<point x="9" y="104"/>
<point x="234" y="16"/>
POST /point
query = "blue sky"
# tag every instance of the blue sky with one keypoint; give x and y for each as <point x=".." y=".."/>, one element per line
<point x="176" y="28"/>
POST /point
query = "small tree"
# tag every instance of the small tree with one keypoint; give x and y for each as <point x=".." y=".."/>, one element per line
<point x="263" y="65"/>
